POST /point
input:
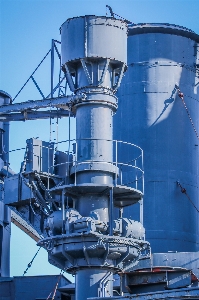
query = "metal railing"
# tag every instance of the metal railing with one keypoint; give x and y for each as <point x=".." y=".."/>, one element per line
<point x="126" y="157"/>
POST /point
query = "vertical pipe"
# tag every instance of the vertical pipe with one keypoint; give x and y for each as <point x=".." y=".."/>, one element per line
<point x="141" y="211"/>
<point x="51" y="81"/>
<point x="52" y="67"/>
<point x="69" y="131"/>
<point x="141" y="201"/>
<point x="48" y="169"/>
<point x="57" y="123"/>
<point x="6" y="127"/>
<point x="116" y="162"/>
<point x="68" y="145"/>
<point x="121" y="283"/>
<point x="104" y="282"/>
<point x="5" y="218"/>
<point x="136" y="179"/>
<point x="88" y="283"/>
<point x="121" y="212"/>
<point x="111" y="212"/>
<point x="76" y="163"/>
<point x="63" y="212"/>
<point x="142" y="173"/>
<point x="85" y="36"/>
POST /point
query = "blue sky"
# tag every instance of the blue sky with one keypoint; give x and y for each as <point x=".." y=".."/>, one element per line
<point x="26" y="30"/>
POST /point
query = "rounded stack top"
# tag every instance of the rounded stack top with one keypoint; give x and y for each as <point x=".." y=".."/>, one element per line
<point x="93" y="37"/>
<point x="162" y="28"/>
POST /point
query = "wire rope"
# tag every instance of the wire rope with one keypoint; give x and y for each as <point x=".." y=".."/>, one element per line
<point x="183" y="190"/>
<point x="30" y="263"/>
<point x="181" y="95"/>
<point x="56" y="286"/>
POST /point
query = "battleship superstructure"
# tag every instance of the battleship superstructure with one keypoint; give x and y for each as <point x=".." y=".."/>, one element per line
<point x="84" y="205"/>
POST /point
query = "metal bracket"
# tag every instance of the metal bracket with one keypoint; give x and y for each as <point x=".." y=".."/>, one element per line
<point x="104" y="71"/>
<point x="83" y="62"/>
<point x="116" y="86"/>
<point x="69" y="78"/>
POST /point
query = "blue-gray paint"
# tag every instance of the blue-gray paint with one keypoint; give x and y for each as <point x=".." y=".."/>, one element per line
<point x="5" y="231"/>
<point x="189" y="293"/>
<point x="5" y="227"/>
<point x="64" y="102"/>
<point x="39" y="156"/>
<point x="87" y="247"/>
<point x="32" y="287"/>
<point x="152" y="115"/>
<point x="188" y="260"/>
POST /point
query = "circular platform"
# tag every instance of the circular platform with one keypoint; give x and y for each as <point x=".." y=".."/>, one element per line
<point x="122" y="195"/>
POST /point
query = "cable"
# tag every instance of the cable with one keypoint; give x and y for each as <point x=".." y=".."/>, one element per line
<point x="56" y="286"/>
<point x="31" y="75"/>
<point x="30" y="263"/>
<point x="114" y="14"/>
<point x="37" y="195"/>
<point x="183" y="190"/>
<point x="181" y="95"/>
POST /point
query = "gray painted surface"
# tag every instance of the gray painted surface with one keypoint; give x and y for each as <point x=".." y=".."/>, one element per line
<point x="85" y="240"/>
<point x="39" y="156"/>
<point x="91" y="35"/>
<point x="5" y="99"/>
<point x="32" y="287"/>
<point x="188" y="293"/>
<point x="5" y="227"/>
<point x="188" y="260"/>
<point x="5" y="231"/>
<point x="151" y="115"/>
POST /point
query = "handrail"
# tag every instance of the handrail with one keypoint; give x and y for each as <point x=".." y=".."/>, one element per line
<point x="129" y="170"/>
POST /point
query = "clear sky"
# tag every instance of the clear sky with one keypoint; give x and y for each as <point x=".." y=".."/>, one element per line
<point x="26" y="30"/>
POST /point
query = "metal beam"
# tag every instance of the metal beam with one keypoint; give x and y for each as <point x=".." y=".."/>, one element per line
<point x="34" y="115"/>
<point x="24" y="226"/>
<point x="51" y="102"/>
